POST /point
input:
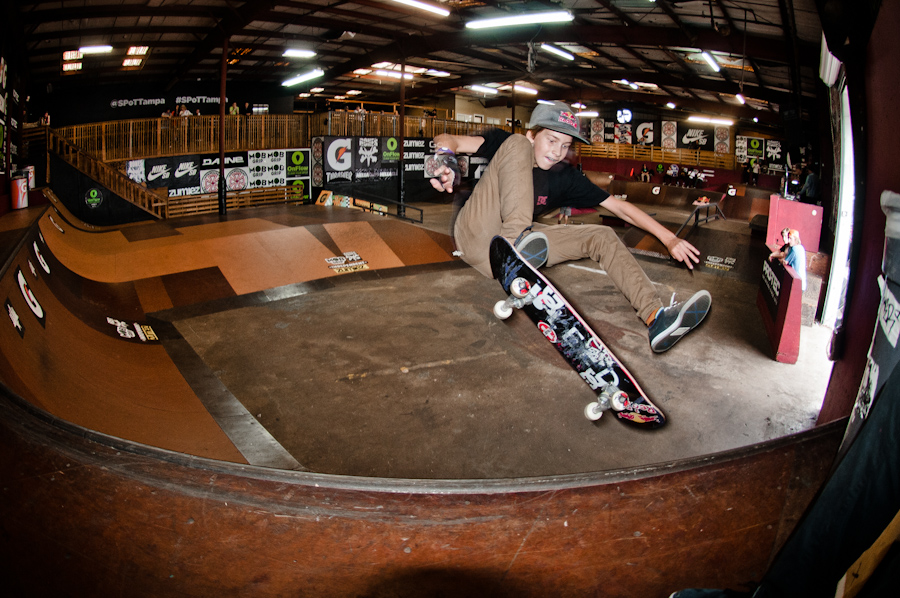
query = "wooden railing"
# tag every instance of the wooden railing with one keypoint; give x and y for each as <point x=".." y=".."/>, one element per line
<point x="649" y="153"/>
<point x="114" y="180"/>
<point x="208" y="203"/>
<point x="147" y="138"/>
<point x="381" y="124"/>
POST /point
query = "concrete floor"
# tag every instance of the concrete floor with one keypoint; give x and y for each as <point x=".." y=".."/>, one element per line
<point x="411" y="376"/>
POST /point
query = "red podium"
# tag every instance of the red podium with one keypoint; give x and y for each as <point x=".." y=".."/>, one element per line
<point x="780" y="300"/>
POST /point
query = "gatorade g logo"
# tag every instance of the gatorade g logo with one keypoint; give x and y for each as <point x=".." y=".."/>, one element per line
<point x="297" y="158"/>
<point x="339" y="157"/>
<point x="93" y="198"/>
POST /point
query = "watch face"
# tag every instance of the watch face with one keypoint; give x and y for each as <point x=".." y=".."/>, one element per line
<point x="623" y="115"/>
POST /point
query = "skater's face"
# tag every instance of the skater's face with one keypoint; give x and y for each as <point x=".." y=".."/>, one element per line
<point x="549" y="147"/>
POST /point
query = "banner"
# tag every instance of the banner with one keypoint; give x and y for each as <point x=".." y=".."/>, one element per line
<point x="267" y="168"/>
<point x="669" y="134"/>
<point x="643" y="134"/>
<point x="298" y="172"/>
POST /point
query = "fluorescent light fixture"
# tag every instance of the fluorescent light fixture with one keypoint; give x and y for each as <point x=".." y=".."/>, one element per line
<point x="292" y="53"/>
<point x="520" y="89"/>
<point x="588" y="114"/>
<point x="712" y="121"/>
<point x="394" y="74"/>
<point x="633" y="85"/>
<point x="354" y="92"/>
<point x="438" y="10"/>
<point x="317" y="89"/>
<point x="559" y="16"/>
<point x="435" y="73"/>
<point x="547" y="102"/>
<point x="304" y="77"/>
<point x="95" y="49"/>
<point x="362" y="71"/>
<point x="740" y="98"/>
<point x="557" y="51"/>
<point x="72" y="55"/>
<point x="132" y="62"/>
<point x="71" y="66"/>
<point x="711" y="61"/>
<point x="483" y="89"/>
<point x="579" y="106"/>
<point x="670" y="104"/>
<point x="138" y="50"/>
<point x="305" y="94"/>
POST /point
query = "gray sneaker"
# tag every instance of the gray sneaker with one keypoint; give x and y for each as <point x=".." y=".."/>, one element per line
<point x="675" y="321"/>
<point x="534" y="248"/>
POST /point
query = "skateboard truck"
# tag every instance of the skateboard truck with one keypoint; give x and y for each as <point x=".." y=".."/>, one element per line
<point x="609" y="398"/>
<point x="521" y="293"/>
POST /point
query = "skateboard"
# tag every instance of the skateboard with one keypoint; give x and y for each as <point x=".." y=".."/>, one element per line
<point x="530" y="291"/>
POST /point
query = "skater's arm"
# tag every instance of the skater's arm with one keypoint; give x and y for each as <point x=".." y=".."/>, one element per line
<point x="458" y="144"/>
<point x="679" y="249"/>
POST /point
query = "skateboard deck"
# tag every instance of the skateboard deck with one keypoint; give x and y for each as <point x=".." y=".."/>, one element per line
<point x="617" y="391"/>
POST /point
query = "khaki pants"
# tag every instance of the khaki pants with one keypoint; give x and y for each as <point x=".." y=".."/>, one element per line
<point x="502" y="203"/>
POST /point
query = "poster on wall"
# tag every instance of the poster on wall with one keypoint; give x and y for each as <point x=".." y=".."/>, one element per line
<point x="338" y="159"/>
<point x="597" y="131"/>
<point x="746" y="148"/>
<point x="723" y="140"/>
<point x="697" y="137"/>
<point x="669" y="138"/>
<point x="623" y="133"/>
<point x="774" y="151"/>
<point x="267" y="168"/>
<point x="317" y="152"/>
<point x="237" y="173"/>
<point x="297" y="173"/>
<point x="643" y="134"/>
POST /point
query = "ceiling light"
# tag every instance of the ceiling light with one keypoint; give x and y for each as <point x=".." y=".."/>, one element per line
<point x="633" y="85"/>
<point x="588" y="114"/>
<point x="521" y="89"/>
<point x="138" y="50"/>
<point x="305" y="94"/>
<point x="132" y="62"/>
<point x="362" y="71"/>
<point x="394" y="74"/>
<point x="317" y="89"/>
<point x="547" y="102"/>
<point x="712" y="121"/>
<point x="557" y="51"/>
<point x="95" y="49"/>
<point x="711" y="61"/>
<point x="71" y="66"/>
<point x="755" y="119"/>
<point x="670" y="104"/>
<point x="483" y="89"/>
<point x="559" y="16"/>
<point x="579" y="106"/>
<point x="435" y="73"/>
<point x="304" y="77"/>
<point x="72" y="55"/>
<point x="299" y="53"/>
<point x="438" y="10"/>
<point x="354" y="92"/>
<point x="740" y="98"/>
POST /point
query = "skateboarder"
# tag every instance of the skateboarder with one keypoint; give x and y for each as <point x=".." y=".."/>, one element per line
<point x="526" y="176"/>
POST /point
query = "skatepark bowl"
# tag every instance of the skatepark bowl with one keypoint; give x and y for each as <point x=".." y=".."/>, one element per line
<point x="318" y="401"/>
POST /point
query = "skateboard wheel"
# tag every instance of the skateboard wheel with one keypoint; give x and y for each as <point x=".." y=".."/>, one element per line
<point x="502" y="310"/>
<point x="593" y="411"/>
<point x="519" y="287"/>
<point x="617" y="400"/>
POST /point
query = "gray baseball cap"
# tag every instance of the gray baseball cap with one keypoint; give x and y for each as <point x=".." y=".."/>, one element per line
<point x="558" y="117"/>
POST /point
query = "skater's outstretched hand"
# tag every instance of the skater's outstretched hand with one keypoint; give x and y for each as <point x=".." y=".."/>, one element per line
<point x="444" y="180"/>
<point x="683" y="251"/>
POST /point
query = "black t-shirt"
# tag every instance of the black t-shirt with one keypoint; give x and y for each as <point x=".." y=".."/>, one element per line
<point x="562" y="185"/>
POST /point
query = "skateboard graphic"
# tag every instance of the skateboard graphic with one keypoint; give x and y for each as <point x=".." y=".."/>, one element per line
<point x="560" y="324"/>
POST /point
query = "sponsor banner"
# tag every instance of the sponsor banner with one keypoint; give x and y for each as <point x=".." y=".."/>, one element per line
<point x="185" y="176"/>
<point x="669" y="138"/>
<point x="748" y="147"/>
<point x="368" y="159"/>
<point x="416" y="151"/>
<point x="597" y="130"/>
<point x="644" y="134"/>
<point x="15" y="319"/>
<point x="774" y="151"/>
<point x="697" y="137"/>
<point x="237" y="173"/>
<point x="623" y="133"/>
<point x="297" y="164"/>
<point x="338" y="159"/>
<point x="723" y="140"/>
<point x="158" y="172"/>
<point x="267" y="168"/>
